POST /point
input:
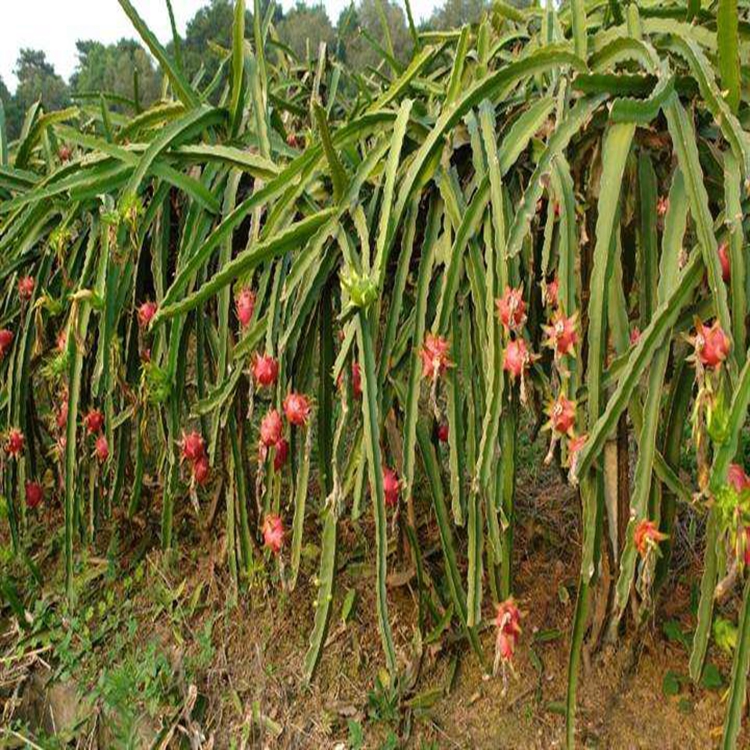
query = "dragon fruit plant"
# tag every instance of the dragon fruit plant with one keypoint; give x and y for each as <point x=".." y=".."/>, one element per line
<point x="352" y="287"/>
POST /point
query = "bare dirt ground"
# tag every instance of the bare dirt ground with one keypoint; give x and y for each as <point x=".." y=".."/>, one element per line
<point x="157" y="659"/>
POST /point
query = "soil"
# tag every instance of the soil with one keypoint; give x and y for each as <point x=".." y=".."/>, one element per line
<point x="249" y="693"/>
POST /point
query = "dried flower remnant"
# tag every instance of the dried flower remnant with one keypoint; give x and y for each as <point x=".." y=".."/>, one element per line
<point x="511" y="309"/>
<point x="647" y="537"/>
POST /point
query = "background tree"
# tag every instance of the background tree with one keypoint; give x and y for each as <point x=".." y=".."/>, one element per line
<point x="303" y="25"/>
<point x="110" y="68"/>
<point x="213" y="23"/>
<point x="9" y="104"/>
<point x="455" y="13"/>
<point x="37" y="81"/>
<point x="366" y="19"/>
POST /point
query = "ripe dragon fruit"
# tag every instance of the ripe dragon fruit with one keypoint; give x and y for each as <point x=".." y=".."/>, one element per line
<point x="508" y="623"/>
<point x="737" y="478"/>
<point x="101" y="448"/>
<point x="146" y="313"/>
<point x="6" y="341"/>
<point x="726" y="264"/>
<point x="244" y="306"/>
<point x="552" y="292"/>
<point x="434" y="354"/>
<point x="296" y="409"/>
<point x="265" y="370"/>
<point x="273" y="533"/>
<point x="192" y="446"/>
<point x="281" y="451"/>
<point x="356" y="380"/>
<point x="517" y="358"/>
<point x="390" y="487"/>
<point x="26" y="288"/>
<point x="34" y="494"/>
<point x="201" y="470"/>
<point x="15" y="443"/>
<point x="94" y="421"/>
<point x="562" y="414"/>
<point x="270" y="428"/>
<point x="711" y="345"/>
<point x="574" y="448"/>
<point x="511" y="309"/>
<point x="562" y="334"/>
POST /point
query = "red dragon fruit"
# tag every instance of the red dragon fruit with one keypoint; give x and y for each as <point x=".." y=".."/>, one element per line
<point x="434" y="354"/>
<point x="356" y="380"/>
<point x="281" y="451"/>
<point x="737" y="478"/>
<point x="574" y="448"/>
<point x="192" y="446"/>
<point x="297" y="409"/>
<point x="552" y="292"/>
<point x="562" y="414"/>
<point x="34" y="494"/>
<point x="201" y="470"/>
<point x="265" y="370"/>
<point x="61" y="417"/>
<point x="270" y="428"/>
<point x="508" y="623"/>
<point x="146" y="313"/>
<point x="15" y="443"/>
<point x="244" y="306"/>
<point x="273" y="533"/>
<point x="516" y="359"/>
<point x="390" y="487"/>
<point x="6" y="341"/>
<point x="26" y="288"/>
<point x="101" y="448"/>
<point x="726" y="265"/>
<point x="562" y="334"/>
<point x="94" y="421"/>
<point x="711" y="344"/>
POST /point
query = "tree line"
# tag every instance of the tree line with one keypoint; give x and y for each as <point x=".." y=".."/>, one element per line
<point x="127" y="75"/>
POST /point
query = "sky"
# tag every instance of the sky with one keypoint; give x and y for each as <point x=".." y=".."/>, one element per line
<point x="55" y="25"/>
